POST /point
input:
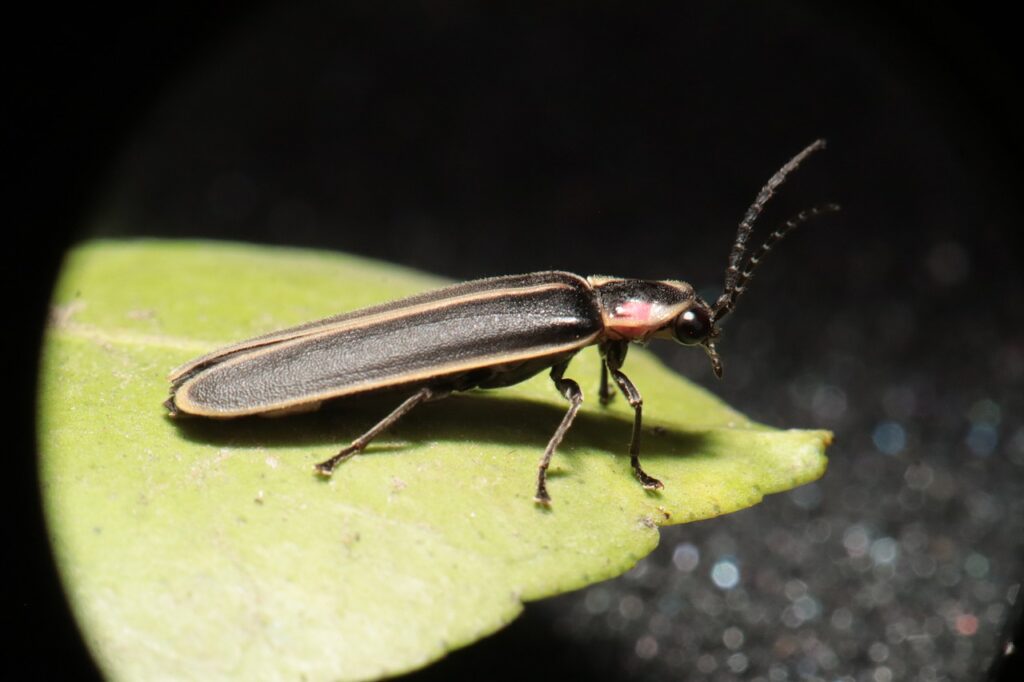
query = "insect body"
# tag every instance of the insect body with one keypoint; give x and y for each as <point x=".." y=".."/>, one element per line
<point x="487" y="333"/>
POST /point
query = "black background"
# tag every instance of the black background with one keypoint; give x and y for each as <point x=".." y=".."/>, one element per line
<point x="468" y="141"/>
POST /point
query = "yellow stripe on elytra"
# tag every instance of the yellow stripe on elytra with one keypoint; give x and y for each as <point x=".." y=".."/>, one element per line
<point x="275" y="342"/>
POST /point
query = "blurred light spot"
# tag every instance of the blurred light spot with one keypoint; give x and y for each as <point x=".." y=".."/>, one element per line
<point x="982" y="439"/>
<point x="806" y="496"/>
<point x="737" y="662"/>
<point x="806" y="668"/>
<point x="732" y="638"/>
<point x="828" y="659"/>
<point x="985" y="412"/>
<point x="707" y="663"/>
<point x="659" y="625"/>
<point x="801" y="390"/>
<point x="597" y="601"/>
<point x="985" y="591"/>
<point x="948" y="263"/>
<point x="842" y="618"/>
<point x="884" y="572"/>
<point x="686" y="557"/>
<point x="919" y="476"/>
<point x="856" y="540"/>
<point x="725" y="574"/>
<point x="882" y="674"/>
<point x="795" y="589"/>
<point x="995" y="613"/>
<point x="966" y="624"/>
<point x="670" y="605"/>
<point x="646" y="647"/>
<point x="878" y="652"/>
<point x="883" y="551"/>
<point x="890" y="438"/>
<point x="806" y="608"/>
<point x="790" y="618"/>
<point x="828" y="402"/>
<point x="976" y="565"/>
<point x="631" y="607"/>
<point x="982" y="507"/>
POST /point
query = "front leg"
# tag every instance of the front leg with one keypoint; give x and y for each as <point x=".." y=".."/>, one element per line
<point x="614" y="355"/>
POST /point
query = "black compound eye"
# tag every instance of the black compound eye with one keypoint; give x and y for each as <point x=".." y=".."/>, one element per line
<point x="693" y="326"/>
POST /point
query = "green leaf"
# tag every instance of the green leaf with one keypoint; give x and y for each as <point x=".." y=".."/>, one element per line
<point x="208" y="549"/>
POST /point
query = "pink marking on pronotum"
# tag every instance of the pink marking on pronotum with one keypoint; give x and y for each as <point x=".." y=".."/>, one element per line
<point x="640" y="311"/>
<point x="632" y="319"/>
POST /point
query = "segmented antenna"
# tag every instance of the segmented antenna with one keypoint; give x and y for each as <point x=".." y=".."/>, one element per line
<point x="736" y="276"/>
<point x="726" y="302"/>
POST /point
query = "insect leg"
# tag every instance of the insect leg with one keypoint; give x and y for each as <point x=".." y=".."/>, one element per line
<point x="571" y="390"/>
<point x="605" y="393"/>
<point x="424" y="394"/>
<point x="614" y="355"/>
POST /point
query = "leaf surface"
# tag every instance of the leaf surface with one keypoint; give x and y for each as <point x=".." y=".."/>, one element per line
<point x="207" y="549"/>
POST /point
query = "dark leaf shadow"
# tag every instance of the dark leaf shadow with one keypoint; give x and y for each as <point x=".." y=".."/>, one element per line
<point x="515" y="422"/>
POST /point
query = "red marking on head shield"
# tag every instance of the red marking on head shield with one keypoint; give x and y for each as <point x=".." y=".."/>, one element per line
<point x="632" y="319"/>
